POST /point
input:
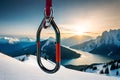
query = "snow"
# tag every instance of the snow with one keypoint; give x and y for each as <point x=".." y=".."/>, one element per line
<point x="50" y="39"/>
<point x="22" y="57"/>
<point x="111" y="37"/>
<point x="9" y="40"/>
<point x="100" y="67"/>
<point x="12" y="69"/>
<point x="12" y="40"/>
<point x="26" y="39"/>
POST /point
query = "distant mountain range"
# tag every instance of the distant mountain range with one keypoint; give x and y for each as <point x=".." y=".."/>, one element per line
<point x="74" y="40"/>
<point x="108" y="44"/>
<point x="16" y="47"/>
<point x="11" y="46"/>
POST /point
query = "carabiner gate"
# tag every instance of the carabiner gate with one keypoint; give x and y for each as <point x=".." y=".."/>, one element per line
<point x="58" y="53"/>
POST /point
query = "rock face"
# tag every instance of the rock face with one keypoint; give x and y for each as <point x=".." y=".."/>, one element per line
<point x="108" y="44"/>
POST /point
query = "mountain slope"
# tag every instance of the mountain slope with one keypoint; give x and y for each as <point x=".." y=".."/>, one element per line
<point x="75" y="40"/>
<point x="48" y="49"/>
<point x="10" y="45"/>
<point x="24" y="46"/>
<point x="111" y="68"/>
<point x="108" y="44"/>
<point x="12" y="69"/>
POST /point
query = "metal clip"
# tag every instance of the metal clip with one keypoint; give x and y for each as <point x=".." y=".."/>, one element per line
<point x="48" y="18"/>
<point x="58" y="53"/>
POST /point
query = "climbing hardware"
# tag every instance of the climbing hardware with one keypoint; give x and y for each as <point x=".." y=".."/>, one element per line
<point x="48" y="21"/>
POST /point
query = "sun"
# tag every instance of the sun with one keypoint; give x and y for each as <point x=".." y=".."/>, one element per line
<point x="79" y="33"/>
<point x="79" y="30"/>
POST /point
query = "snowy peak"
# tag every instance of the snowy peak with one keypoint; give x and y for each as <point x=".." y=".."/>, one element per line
<point x="51" y="39"/>
<point x="108" y="38"/>
<point x="12" y="40"/>
<point x="26" y="39"/>
<point x="48" y="50"/>
<point x="50" y="42"/>
<point x="107" y="44"/>
<point x="8" y="40"/>
<point x="111" y="37"/>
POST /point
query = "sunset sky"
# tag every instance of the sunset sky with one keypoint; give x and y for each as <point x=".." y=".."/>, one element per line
<point x="92" y="17"/>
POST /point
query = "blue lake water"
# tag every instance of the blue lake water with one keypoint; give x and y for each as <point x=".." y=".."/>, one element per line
<point x="87" y="58"/>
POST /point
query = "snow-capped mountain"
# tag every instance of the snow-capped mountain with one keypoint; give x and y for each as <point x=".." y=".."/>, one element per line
<point x="25" y="46"/>
<point x="49" y="41"/>
<point x="107" y="44"/>
<point x="48" y="50"/>
<point x="8" y="40"/>
<point x="12" y="40"/>
<point x="26" y="39"/>
<point x="11" y="45"/>
<point x="13" y="69"/>
<point x="111" y="37"/>
<point x="74" y="40"/>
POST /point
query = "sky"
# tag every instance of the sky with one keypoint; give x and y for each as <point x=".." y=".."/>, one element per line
<point x="91" y="17"/>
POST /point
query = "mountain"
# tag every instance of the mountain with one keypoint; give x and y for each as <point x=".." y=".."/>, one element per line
<point x="12" y="69"/>
<point x="77" y="39"/>
<point x="27" y="47"/>
<point x="108" y="44"/>
<point x="26" y="39"/>
<point x="12" y="40"/>
<point x="8" y="40"/>
<point x="9" y="45"/>
<point x="48" y="51"/>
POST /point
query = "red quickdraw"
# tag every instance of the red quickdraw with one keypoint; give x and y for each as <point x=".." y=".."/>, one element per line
<point x="48" y="13"/>
<point x="57" y="32"/>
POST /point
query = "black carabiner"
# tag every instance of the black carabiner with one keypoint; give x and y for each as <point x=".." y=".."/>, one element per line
<point x="58" y="53"/>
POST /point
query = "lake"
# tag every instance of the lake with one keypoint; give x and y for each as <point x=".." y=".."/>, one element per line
<point x="86" y="58"/>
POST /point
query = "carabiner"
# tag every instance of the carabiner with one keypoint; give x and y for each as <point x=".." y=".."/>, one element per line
<point x="58" y="53"/>
<point x="48" y="18"/>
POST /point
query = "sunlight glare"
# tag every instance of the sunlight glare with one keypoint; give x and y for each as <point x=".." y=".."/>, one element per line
<point x="80" y="29"/>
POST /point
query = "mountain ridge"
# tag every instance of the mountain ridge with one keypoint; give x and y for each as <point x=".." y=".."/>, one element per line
<point x="107" y="44"/>
<point x="76" y="39"/>
<point x="29" y="47"/>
